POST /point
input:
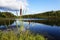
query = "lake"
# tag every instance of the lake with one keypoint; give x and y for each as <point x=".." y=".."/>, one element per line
<point x="48" y="28"/>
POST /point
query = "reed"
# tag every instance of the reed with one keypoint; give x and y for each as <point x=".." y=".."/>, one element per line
<point x="10" y="35"/>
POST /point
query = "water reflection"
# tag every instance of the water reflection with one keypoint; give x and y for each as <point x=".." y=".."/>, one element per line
<point x="28" y="25"/>
<point x="50" y="28"/>
<point x="47" y="22"/>
<point x="4" y="24"/>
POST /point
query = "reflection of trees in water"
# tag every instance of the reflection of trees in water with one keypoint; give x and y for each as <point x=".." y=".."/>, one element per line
<point x="47" y="22"/>
<point x="53" y="22"/>
<point x="28" y="24"/>
<point x="6" y="22"/>
<point x="53" y="19"/>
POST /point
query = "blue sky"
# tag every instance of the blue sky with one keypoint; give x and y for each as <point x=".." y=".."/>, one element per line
<point x="37" y="6"/>
<point x="32" y="6"/>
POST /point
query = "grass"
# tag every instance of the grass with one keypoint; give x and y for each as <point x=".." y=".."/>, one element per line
<point x="10" y="35"/>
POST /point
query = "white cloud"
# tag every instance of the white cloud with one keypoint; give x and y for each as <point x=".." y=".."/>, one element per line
<point x="13" y="4"/>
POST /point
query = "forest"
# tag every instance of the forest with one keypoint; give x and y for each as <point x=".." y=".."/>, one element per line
<point x="49" y="14"/>
<point x="6" y="15"/>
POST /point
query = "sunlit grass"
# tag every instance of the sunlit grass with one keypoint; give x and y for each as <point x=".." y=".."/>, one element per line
<point x="10" y="35"/>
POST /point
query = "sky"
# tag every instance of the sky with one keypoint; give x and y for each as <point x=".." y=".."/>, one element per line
<point x="29" y="6"/>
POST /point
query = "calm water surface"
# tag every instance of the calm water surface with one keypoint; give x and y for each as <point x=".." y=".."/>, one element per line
<point x="50" y="31"/>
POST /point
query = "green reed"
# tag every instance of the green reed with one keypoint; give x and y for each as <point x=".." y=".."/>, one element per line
<point x="10" y="35"/>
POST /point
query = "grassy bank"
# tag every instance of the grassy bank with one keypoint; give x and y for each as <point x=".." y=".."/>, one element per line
<point x="10" y="35"/>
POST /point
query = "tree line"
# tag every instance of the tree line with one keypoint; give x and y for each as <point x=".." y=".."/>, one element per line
<point x="6" y="15"/>
<point x="48" y="14"/>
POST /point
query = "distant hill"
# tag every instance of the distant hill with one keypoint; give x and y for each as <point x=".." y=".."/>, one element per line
<point x="49" y="14"/>
<point x="6" y="15"/>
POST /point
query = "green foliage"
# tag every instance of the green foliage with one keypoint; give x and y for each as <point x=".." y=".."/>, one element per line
<point x="44" y="15"/>
<point x="10" y="35"/>
<point x="6" y="15"/>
